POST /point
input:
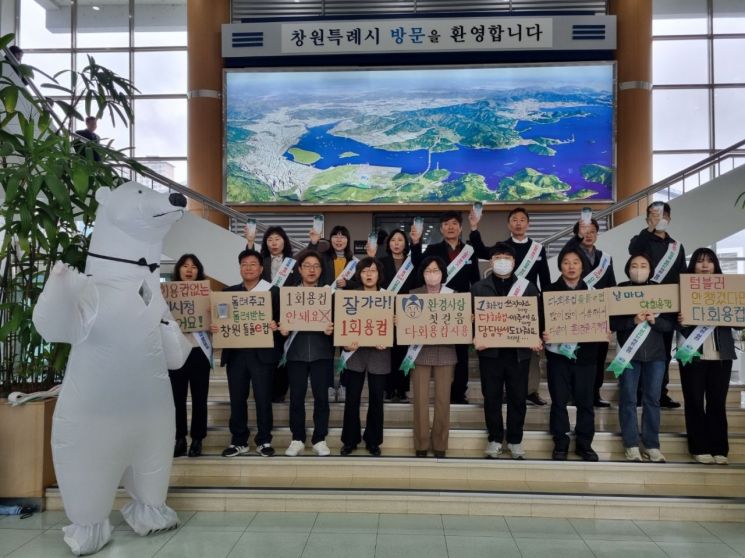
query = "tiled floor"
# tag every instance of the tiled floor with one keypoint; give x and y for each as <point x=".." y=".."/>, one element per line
<point x="329" y="535"/>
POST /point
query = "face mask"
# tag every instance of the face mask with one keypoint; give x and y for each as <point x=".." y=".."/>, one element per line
<point x="661" y="225"/>
<point x="639" y="275"/>
<point x="432" y="279"/>
<point x="502" y="267"/>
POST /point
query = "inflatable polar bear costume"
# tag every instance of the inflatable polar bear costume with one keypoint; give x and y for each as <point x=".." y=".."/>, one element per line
<point x="114" y="419"/>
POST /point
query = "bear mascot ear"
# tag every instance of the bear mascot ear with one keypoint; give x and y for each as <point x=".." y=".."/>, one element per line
<point x="102" y="194"/>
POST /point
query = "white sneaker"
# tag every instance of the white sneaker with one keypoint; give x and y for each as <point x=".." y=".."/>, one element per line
<point x="654" y="455"/>
<point x="721" y="460"/>
<point x="341" y="394"/>
<point x="493" y="450"/>
<point x="633" y="454"/>
<point x="321" y="449"/>
<point x="332" y="395"/>
<point x="516" y="450"/>
<point x="704" y="458"/>
<point x="296" y="447"/>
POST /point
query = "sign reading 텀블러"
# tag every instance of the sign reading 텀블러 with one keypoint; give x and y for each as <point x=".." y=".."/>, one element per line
<point x="576" y="316"/>
<point x="242" y="318"/>
<point x="305" y="308"/>
<point x="713" y="300"/>
<point x="189" y="303"/>
<point x="433" y="319"/>
<point x="506" y="321"/>
<point x="363" y="317"/>
<point x="642" y="298"/>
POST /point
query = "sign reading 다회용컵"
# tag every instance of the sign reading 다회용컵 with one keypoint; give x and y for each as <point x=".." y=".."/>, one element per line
<point x="506" y="321"/>
<point x="365" y="318"/>
<point x="642" y="298"/>
<point x="189" y="303"/>
<point x="242" y="319"/>
<point x="305" y="308"/>
<point x="433" y="319"/>
<point x="713" y="300"/>
<point x="576" y="316"/>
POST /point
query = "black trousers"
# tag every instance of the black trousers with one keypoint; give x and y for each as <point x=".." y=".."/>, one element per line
<point x="460" y="377"/>
<point x="280" y="383"/>
<point x="194" y="374"/>
<point x="350" y="432"/>
<point x="567" y="380"/>
<point x="244" y="370"/>
<point x="497" y="374"/>
<point x="298" y="373"/>
<point x="600" y="368"/>
<point x="396" y="382"/>
<point x="705" y="385"/>
<point x="667" y="340"/>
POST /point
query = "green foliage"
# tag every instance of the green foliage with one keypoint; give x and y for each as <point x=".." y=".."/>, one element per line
<point x="49" y="183"/>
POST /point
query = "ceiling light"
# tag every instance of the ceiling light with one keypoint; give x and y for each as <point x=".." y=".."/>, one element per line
<point x="95" y="8"/>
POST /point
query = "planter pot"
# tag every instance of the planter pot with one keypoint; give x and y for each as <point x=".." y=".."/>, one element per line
<point x="26" y="468"/>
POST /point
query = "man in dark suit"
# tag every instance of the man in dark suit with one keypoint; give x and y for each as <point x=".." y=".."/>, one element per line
<point x="89" y="133"/>
<point x="451" y="227"/>
<point x="246" y="367"/>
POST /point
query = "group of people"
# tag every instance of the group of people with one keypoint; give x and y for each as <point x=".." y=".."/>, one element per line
<point x="519" y="267"/>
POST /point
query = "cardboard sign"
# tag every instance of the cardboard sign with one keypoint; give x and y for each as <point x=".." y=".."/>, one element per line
<point x="576" y="316"/>
<point x="714" y="300"/>
<point x="189" y="303"/>
<point x="363" y="317"/>
<point x="243" y="319"/>
<point x="305" y="308"/>
<point x="643" y="298"/>
<point x="433" y="319"/>
<point x="506" y="321"/>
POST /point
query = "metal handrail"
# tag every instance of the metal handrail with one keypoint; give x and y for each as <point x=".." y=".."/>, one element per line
<point x="695" y="168"/>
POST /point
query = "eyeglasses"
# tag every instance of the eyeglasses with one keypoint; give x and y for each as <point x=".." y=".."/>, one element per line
<point x="311" y="267"/>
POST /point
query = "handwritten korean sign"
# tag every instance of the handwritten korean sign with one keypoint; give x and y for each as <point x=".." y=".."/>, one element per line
<point x="506" y="321"/>
<point x="363" y="317"/>
<point x="189" y="303"/>
<point x="433" y="319"/>
<point x="305" y="308"/>
<point x="243" y="319"/>
<point x="642" y="298"/>
<point x="576" y="316"/>
<point x="713" y="299"/>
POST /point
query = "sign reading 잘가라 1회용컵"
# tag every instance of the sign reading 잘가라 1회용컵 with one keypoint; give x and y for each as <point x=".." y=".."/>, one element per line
<point x="642" y="298"/>
<point x="242" y="318"/>
<point x="433" y="319"/>
<point x="189" y="303"/>
<point x="506" y="321"/>
<point x="365" y="318"/>
<point x="305" y="308"/>
<point x="713" y="300"/>
<point x="576" y="316"/>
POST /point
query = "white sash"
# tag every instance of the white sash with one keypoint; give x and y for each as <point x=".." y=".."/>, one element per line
<point x="284" y="272"/>
<point x="457" y="264"/>
<point x="626" y="353"/>
<point x="203" y="341"/>
<point x="688" y="349"/>
<point x="408" y="362"/>
<point x="403" y="274"/>
<point x="346" y="274"/>
<point x="667" y="261"/>
<point x="518" y="288"/>
<point x="530" y="258"/>
<point x="596" y="274"/>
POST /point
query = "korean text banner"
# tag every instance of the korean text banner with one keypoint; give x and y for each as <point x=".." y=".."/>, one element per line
<point x="433" y="319"/>
<point x="713" y="300"/>
<point x="242" y="319"/>
<point x="365" y="318"/>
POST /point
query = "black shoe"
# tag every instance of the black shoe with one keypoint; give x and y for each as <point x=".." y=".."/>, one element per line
<point x="587" y="454"/>
<point x="388" y="395"/>
<point x="535" y="399"/>
<point x="265" y="450"/>
<point x="195" y="450"/>
<point x="402" y="398"/>
<point x="439" y="454"/>
<point x="346" y="450"/>
<point x="395" y="398"/>
<point x="421" y="453"/>
<point x="374" y="450"/>
<point x="179" y="449"/>
<point x="601" y="403"/>
<point x="458" y="401"/>
<point x="667" y="403"/>
<point x="559" y="455"/>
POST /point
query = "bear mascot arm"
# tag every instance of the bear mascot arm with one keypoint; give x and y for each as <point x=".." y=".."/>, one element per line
<point x="176" y="346"/>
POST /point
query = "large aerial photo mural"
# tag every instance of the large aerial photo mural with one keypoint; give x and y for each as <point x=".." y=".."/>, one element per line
<point x="424" y="135"/>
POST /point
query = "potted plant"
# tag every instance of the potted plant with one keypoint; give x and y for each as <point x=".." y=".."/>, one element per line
<point x="48" y="180"/>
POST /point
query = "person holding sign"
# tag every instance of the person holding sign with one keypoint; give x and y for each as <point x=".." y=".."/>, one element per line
<point x="463" y="271"/>
<point x="194" y="375"/>
<point x="668" y="262"/>
<point x="310" y="353"/>
<point x="571" y="372"/>
<point x="640" y="360"/>
<point x="436" y="362"/>
<point x="597" y="274"/>
<point x="705" y="354"/>
<point x="376" y="362"/>
<point x="531" y="263"/>
<point x="502" y="369"/>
